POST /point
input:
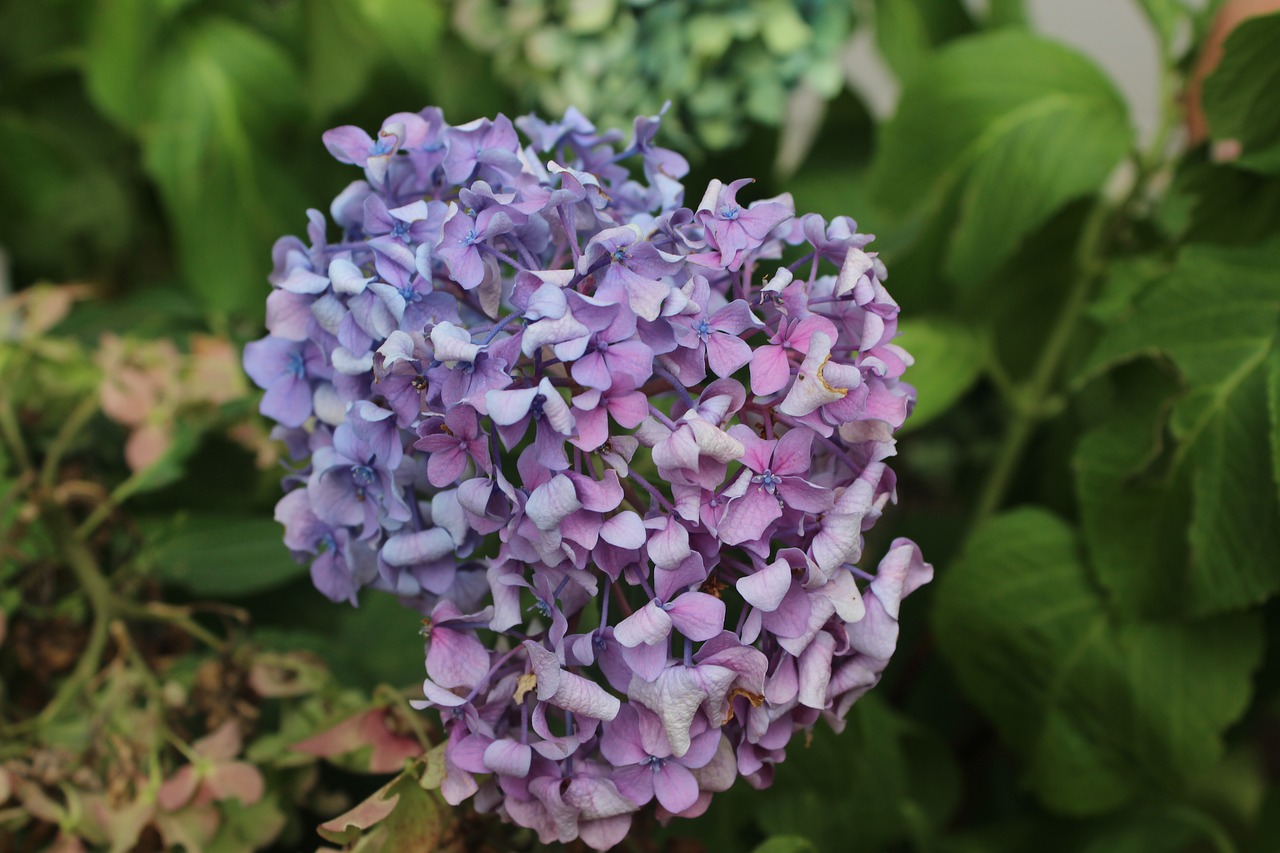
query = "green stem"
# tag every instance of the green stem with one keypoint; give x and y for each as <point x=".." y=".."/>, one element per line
<point x="97" y="590"/>
<point x="1038" y="388"/>
<point x="102" y="511"/>
<point x="74" y="423"/>
<point x="179" y="617"/>
<point x="12" y="434"/>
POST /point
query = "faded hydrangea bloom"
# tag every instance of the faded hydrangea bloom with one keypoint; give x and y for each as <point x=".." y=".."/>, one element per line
<point x="620" y="451"/>
<point x="725" y="62"/>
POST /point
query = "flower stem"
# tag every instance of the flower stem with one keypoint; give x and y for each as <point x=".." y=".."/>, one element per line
<point x="1031" y="408"/>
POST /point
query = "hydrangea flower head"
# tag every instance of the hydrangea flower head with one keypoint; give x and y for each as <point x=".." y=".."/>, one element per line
<point x="619" y="451"/>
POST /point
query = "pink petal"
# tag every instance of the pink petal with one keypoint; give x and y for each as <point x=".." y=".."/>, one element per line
<point x="697" y="615"/>
<point x="650" y="624"/>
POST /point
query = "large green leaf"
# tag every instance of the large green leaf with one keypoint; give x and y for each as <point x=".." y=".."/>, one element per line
<point x="1135" y="516"/>
<point x="224" y="556"/>
<point x="119" y="51"/>
<point x="1217" y="318"/>
<point x="1017" y="124"/>
<point x="907" y="31"/>
<point x="223" y="90"/>
<point x="1242" y="97"/>
<point x="1100" y="710"/>
<point x="948" y="360"/>
<point x="341" y="54"/>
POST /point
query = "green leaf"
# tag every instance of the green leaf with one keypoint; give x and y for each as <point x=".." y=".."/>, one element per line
<point x="907" y="31"/>
<point x="341" y="54"/>
<point x="1217" y="318"/>
<point x="1242" y="97"/>
<point x="225" y="556"/>
<point x="1006" y="13"/>
<point x="1165" y="16"/>
<point x="1017" y="124"/>
<point x="948" y="360"/>
<point x="119" y="53"/>
<point x="787" y="844"/>
<point x="1101" y="711"/>
<point x="409" y="30"/>
<point x="1134" y="519"/>
<point x="223" y="90"/>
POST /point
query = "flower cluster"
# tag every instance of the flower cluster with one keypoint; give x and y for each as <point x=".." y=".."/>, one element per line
<point x="620" y="452"/>
<point x="725" y="62"/>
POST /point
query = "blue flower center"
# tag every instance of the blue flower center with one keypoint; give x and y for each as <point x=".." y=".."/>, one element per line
<point x="535" y="407"/>
<point x="409" y="295"/>
<point x="703" y="329"/>
<point x="401" y="231"/>
<point x="363" y="475"/>
<point x="655" y="763"/>
<point x="620" y="254"/>
<point x="295" y="364"/>
<point x="385" y="145"/>
<point x="542" y="606"/>
<point x="730" y="212"/>
<point x="471" y="238"/>
<point x="768" y="481"/>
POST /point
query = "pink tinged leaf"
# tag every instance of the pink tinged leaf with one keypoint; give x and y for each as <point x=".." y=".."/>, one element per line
<point x="347" y="736"/>
<point x="675" y="787"/>
<point x="697" y="615"/>
<point x="236" y="780"/>
<point x="222" y="744"/>
<point x="176" y="791"/>
<point x="770" y="370"/>
<point x="650" y="624"/>
<point x="766" y="588"/>
<point x="372" y="811"/>
<point x="508" y="758"/>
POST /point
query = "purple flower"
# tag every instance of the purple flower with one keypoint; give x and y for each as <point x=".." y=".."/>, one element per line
<point x="772" y="483"/>
<point x="284" y="368"/>
<point x="646" y="595"/>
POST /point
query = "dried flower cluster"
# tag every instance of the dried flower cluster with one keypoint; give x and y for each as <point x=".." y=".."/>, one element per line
<point x="622" y="452"/>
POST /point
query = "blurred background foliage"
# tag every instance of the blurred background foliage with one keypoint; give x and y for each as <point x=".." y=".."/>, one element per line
<point x="1094" y="466"/>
